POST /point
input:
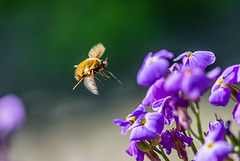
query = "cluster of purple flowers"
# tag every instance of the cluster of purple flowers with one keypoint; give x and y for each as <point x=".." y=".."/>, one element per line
<point x="225" y="88"/>
<point x="173" y="90"/>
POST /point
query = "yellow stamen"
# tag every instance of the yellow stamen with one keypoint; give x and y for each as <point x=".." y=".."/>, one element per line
<point x="189" y="55"/>
<point x="133" y="119"/>
<point x="209" y="145"/>
<point x="152" y="59"/>
<point x="143" y="121"/>
<point x="220" y="81"/>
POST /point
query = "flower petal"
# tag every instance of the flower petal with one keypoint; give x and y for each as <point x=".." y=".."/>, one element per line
<point x="142" y="133"/>
<point x="236" y="113"/>
<point x="155" y="122"/>
<point x="182" y="55"/>
<point x="220" y="97"/>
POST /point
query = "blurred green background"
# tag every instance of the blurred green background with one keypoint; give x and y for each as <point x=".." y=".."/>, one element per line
<point x="41" y="41"/>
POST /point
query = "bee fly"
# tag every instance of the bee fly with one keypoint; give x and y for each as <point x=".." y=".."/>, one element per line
<point x="87" y="69"/>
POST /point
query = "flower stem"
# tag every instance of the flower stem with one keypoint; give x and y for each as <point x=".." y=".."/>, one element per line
<point x="163" y="153"/>
<point x="197" y="117"/>
<point x="194" y="149"/>
<point x="193" y="133"/>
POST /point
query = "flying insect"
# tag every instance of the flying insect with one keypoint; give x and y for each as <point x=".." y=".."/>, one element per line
<point x="87" y="69"/>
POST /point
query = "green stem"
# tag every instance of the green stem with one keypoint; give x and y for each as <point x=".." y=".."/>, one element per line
<point x="163" y="153"/>
<point x="193" y="133"/>
<point x="196" y="114"/>
<point x="199" y="124"/>
<point x="194" y="149"/>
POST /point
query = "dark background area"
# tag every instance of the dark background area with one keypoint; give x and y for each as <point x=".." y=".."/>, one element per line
<point x="41" y="41"/>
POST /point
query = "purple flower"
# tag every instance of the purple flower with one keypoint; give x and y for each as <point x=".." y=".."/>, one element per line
<point x="192" y="82"/>
<point x="214" y="151"/>
<point x="216" y="131"/>
<point x="130" y="119"/>
<point x="198" y="59"/>
<point x="135" y="152"/>
<point x="155" y="92"/>
<point x="162" y="106"/>
<point x="214" y="148"/>
<point x="12" y="114"/>
<point x="154" y="67"/>
<point x="175" y="140"/>
<point x="223" y="87"/>
<point x="147" y="126"/>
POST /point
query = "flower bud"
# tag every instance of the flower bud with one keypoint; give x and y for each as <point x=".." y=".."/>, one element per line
<point x="141" y="145"/>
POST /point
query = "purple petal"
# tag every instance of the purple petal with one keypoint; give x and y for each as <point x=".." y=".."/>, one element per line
<point x="231" y="78"/>
<point x="135" y="152"/>
<point x="216" y="131"/>
<point x="220" y="97"/>
<point x="155" y="92"/>
<point x="12" y="114"/>
<point x="182" y="55"/>
<point x="215" y="87"/>
<point x="154" y="67"/>
<point x="213" y="74"/>
<point x="222" y="150"/>
<point x="175" y="67"/>
<point x="179" y="102"/>
<point x="125" y="129"/>
<point x="230" y="74"/>
<point x="155" y="122"/>
<point x="230" y="69"/>
<point x="184" y="138"/>
<point x="167" y="142"/>
<point x="218" y="152"/>
<point x="164" y="54"/>
<point x="203" y="58"/>
<point x="159" y="105"/>
<point x="138" y="111"/>
<point x="162" y="107"/>
<point x="238" y="97"/>
<point x="236" y="113"/>
<point x="121" y="122"/>
<point x="142" y="133"/>
<point x="152" y="71"/>
<point x="173" y="82"/>
<point x="195" y="82"/>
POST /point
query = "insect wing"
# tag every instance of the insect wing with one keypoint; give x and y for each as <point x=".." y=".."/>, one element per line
<point x="90" y="84"/>
<point x="96" y="51"/>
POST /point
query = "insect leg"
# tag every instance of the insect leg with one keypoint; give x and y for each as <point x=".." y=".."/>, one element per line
<point x="77" y="83"/>
<point x="105" y="75"/>
<point x="99" y="80"/>
<point x="115" y="77"/>
<point x="101" y="74"/>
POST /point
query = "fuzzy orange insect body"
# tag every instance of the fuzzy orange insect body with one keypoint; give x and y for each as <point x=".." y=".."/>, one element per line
<point x="85" y="67"/>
